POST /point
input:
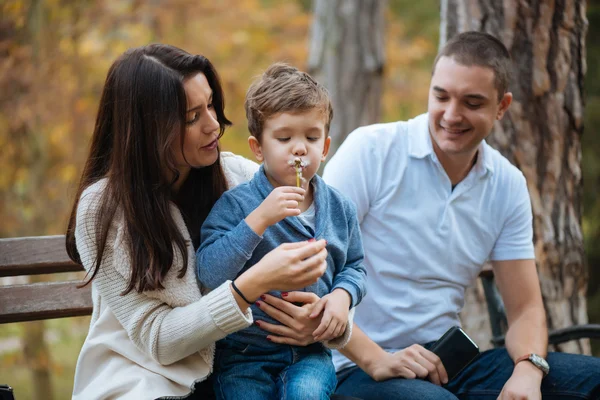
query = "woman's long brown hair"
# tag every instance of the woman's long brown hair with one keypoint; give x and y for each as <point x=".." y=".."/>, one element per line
<point x="141" y="114"/>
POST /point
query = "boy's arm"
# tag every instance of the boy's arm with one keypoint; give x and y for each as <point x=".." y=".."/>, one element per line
<point x="352" y="277"/>
<point x="226" y="243"/>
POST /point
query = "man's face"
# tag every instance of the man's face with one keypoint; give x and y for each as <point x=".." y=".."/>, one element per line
<point x="287" y="136"/>
<point x="463" y="105"/>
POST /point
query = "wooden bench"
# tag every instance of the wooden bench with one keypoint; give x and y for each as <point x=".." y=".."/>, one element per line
<point x="44" y="300"/>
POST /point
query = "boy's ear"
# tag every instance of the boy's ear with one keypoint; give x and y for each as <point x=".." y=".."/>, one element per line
<point x="326" y="148"/>
<point x="256" y="148"/>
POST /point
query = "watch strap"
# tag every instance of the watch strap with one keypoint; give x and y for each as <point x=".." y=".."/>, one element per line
<point x="528" y="357"/>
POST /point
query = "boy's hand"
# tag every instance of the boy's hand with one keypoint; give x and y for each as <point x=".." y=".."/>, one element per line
<point x="336" y="306"/>
<point x="282" y="202"/>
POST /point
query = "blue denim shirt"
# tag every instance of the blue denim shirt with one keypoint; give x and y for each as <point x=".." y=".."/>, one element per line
<point x="229" y="246"/>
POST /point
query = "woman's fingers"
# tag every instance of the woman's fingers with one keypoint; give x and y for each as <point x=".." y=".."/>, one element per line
<point x="300" y="297"/>
<point x="288" y="340"/>
<point x="310" y="249"/>
<point x="285" y="306"/>
<point x="276" y="314"/>
<point x="279" y="330"/>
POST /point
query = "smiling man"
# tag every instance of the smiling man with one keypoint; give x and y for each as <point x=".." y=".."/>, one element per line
<point x="435" y="202"/>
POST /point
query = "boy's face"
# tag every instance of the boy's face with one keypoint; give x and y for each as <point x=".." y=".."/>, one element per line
<point x="287" y="136"/>
<point x="463" y="105"/>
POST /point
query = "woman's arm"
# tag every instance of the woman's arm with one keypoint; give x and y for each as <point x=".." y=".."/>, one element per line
<point x="169" y="334"/>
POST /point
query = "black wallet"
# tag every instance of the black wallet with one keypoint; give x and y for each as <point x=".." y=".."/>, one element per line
<point x="6" y="392"/>
<point x="456" y="350"/>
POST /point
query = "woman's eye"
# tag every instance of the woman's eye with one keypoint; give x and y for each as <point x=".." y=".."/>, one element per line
<point x="210" y="106"/>
<point x="196" y="115"/>
<point x="440" y="98"/>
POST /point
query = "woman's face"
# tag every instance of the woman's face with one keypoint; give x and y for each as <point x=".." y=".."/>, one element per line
<point x="201" y="127"/>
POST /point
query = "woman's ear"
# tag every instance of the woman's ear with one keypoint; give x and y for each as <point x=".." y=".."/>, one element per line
<point x="256" y="148"/>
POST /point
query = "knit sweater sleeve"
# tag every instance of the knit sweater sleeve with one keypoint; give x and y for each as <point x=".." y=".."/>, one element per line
<point x="167" y="334"/>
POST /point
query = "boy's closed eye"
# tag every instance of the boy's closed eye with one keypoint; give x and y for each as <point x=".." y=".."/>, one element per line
<point x="283" y="139"/>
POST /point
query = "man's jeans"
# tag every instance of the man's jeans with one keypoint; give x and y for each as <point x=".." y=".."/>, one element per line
<point x="285" y="372"/>
<point x="571" y="377"/>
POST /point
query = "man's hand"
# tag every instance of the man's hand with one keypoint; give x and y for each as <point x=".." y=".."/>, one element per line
<point x="335" y="307"/>
<point x="282" y="202"/>
<point x="524" y="383"/>
<point x="410" y="363"/>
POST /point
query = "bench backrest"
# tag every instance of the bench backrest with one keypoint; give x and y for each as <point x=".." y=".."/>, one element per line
<point x="43" y="300"/>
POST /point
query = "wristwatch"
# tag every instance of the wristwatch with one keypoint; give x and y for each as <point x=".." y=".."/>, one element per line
<point x="536" y="360"/>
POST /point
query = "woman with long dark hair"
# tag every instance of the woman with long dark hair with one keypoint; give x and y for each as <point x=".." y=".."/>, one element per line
<point x="152" y="175"/>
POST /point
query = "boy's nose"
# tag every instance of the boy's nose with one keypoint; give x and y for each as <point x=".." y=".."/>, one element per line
<point x="299" y="149"/>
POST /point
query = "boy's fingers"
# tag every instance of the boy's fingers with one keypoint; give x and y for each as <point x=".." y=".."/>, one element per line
<point x="318" y="308"/>
<point x="321" y="328"/>
<point x="330" y="332"/>
<point x="293" y="189"/>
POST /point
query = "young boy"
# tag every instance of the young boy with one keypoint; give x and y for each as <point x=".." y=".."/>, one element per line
<point x="289" y="115"/>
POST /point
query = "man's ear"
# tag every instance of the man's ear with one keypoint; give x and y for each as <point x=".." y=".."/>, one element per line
<point x="504" y="104"/>
<point x="256" y="148"/>
<point x="326" y="148"/>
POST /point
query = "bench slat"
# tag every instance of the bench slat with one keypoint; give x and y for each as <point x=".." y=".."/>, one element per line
<point x="45" y="300"/>
<point x="35" y="255"/>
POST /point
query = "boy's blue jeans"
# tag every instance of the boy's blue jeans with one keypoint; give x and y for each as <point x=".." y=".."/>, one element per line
<point x="283" y="372"/>
<point x="571" y="377"/>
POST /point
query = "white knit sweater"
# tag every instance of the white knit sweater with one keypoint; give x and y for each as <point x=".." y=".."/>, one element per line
<point x="151" y="344"/>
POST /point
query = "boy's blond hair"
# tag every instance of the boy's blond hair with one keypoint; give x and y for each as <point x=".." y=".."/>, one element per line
<point x="283" y="88"/>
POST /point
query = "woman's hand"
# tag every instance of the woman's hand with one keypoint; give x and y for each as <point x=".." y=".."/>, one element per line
<point x="290" y="266"/>
<point x="297" y="327"/>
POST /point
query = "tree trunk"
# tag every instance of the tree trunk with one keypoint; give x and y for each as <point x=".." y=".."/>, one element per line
<point x="541" y="135"/>
<point x="35" y="349"/>
<point x="347" y="56"/>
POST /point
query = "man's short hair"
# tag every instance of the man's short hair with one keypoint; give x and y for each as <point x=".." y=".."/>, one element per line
<point x="283" y="88"/>
<point x="481" y="49"/>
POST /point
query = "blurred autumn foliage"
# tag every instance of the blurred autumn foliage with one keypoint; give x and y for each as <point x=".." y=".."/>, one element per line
<point x="54" y="56"/>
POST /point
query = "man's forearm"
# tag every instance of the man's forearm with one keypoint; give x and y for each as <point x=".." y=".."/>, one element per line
<point x="362" y="350"/>
<point x="528" y="333"/>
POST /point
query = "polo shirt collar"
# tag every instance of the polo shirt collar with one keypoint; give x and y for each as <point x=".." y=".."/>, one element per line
<point x="420" y="146"/>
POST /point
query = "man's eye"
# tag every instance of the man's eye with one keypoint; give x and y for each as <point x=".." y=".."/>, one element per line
<point x="473" y="105"/>
<point x="196" y="115"/>
<point x="441" y="98"/>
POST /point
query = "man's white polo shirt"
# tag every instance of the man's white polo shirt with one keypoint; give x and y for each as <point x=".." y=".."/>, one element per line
<point x="424" y="242"/>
